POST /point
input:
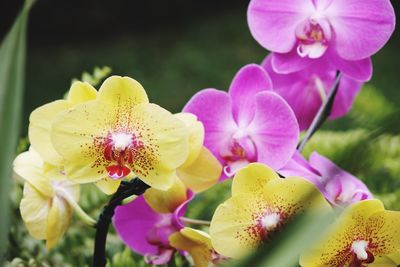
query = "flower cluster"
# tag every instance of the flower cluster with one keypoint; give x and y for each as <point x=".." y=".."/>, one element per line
<point x="104" y="137"/>
<point x="262" y="203"/>
<point x="249" y="133"/>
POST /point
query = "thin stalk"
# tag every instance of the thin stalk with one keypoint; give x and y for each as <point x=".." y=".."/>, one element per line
<point x="129" y="199"/>
<point x="323" y="113"/>
<point x="78" y="210"/>
<point x="125" y="190"/>
<point x="195" y="221"/>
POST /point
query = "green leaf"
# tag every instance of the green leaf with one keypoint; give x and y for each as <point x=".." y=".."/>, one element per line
<point x="12" y="77"/>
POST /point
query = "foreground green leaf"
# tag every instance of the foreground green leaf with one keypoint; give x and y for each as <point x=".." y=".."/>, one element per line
<point x="12" y="76"/>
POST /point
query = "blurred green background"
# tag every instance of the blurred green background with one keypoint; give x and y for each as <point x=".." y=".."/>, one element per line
<point x="176" y="48"/>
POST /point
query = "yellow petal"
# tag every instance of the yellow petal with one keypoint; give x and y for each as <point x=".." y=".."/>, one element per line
<point x="34" y="208"/>
<point x="252" y="179"/>
<point x="387" y="236"/>
<point x="39" y="130"/>
<point x="28" y="166"/>
<point x="293" y="195"/>
<point x="391" y="260"/>
<point x="166" y="201"/>
<point x="74" y="134"/>
<point x="54" y="172"/>
<point x="57" y="222"/>
<point x="196" y="242"/>
<point x="81" y="92"/>
<point x="123" y="91"/>
<point x="233" y="226"/>
<point x="203" y="173"/>
<point x="169" y="133"/>
<point x="352" y="224"/>
<point x="197" y="236"/>
<point x="108" y="186"/>
<point x="196" y="136"/>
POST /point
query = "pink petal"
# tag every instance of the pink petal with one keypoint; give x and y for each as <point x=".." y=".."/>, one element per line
<point x="344" y="99"/>
<point x="300" y="91"/>
<point x="362" y="27"/>
<point x="133" y="222"/>
<point x="214" y="109"/>
<point x="324" y="166"/>
<point x="360" y="70"/>
<point x="181" y="210"/>
<point x="337" y="180"/>
<point x="333" y="189"/>
<point x="290" y="62"/>
<point x="273" y="22"/>
<point x="274" y="130"/>
<point x="298" y="166"/>
<point x="250" y="80"/>
<point x="162" y="257"/>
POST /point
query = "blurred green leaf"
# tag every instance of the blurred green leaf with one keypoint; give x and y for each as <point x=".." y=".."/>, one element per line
<point x="12" y="77"/>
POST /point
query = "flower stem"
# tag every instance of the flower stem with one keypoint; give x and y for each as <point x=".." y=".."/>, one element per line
<point x="125" y="190"/>
<point x="323" y="113"/>
<point x="195" y="221"/>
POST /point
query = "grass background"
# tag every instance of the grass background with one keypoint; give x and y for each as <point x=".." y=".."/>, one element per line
<point x="173" y="62"/>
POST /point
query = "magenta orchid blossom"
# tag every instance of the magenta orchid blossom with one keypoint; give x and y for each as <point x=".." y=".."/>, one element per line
<point x="146" y="231"/>
<point x="338" y="186"/>
<point x="339" y="33"/>
<point x="250" y="123"/>
<point x="305" y="91"/>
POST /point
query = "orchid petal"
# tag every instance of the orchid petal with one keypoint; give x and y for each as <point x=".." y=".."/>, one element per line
<point x="133" y="227"/>
<point x="214" y="109"/>
<point x="273" y="22"/>
<point x="362" y="27"/>
<point x="274" y="130"/>
<point x="250" y="80"/>
<point x="252" y="179"/>
<point x="203" y="173"/>
<point x="166" y="201"/>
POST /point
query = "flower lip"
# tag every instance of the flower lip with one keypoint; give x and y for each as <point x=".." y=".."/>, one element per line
<point x="120" y="148"/>
<point x="313" y="36"/>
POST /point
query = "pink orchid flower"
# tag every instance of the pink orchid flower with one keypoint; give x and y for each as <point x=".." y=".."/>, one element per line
<point x="146" y="231"/>
<point x="338" y="186"/>
<point x="250" y="123"/>
<point x="340" y="33"/>
<point x="305" y="91"/>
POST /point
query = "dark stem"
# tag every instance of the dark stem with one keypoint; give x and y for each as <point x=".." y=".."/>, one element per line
<point x="126" y="189"/>
<point x="323" y="113"/>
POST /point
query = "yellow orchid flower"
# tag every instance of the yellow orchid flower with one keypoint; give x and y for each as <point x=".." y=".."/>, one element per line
<point x="41" y="119"/>
<point x="120" y="134"/>
<point x="365" y="234"/>
<point x="47" y="204"/>
<point x="201" y="170"/>
<point x="196" y="243"/>
<point x="260" y="205"/>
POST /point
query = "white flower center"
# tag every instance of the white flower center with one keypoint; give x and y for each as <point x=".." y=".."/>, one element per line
<point x="121" y="140"/>
<point x="271" y="221"/>
<point x="359" y="248"/>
